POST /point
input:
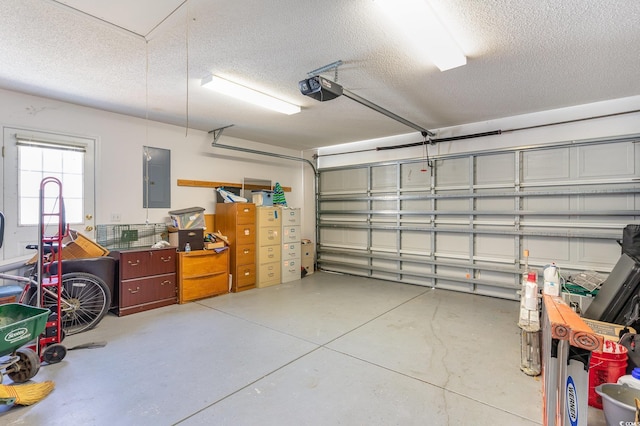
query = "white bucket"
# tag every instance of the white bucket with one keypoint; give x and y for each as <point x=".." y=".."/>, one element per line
<point x="618" y="403"/>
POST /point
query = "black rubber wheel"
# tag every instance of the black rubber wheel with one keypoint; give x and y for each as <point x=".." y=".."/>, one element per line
<point x="26" y="367"/>
<point x="85" y="301"/>
<point x="54" y="353"/>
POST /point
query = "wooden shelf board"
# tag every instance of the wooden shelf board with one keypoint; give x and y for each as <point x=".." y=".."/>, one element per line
<point x="210" y="184"/>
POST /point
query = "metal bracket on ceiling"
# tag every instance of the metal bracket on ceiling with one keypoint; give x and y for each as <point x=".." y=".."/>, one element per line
<point x="218" y="132"/>
<point x="427" y="137"/>
<point x="332" y="66"/>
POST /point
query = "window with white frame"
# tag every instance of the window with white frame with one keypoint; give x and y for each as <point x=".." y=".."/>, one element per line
<point x="38" y="159"/>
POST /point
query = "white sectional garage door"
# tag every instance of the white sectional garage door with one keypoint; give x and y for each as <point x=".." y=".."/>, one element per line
<point x="464" y="223"/>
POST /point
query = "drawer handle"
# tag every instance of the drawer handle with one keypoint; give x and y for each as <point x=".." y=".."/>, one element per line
<point x="246" y="210"/>
<point x="247" y="273"/>
<point x="134" y="264"/>
<point x="247" y="231"/>
<point x="165" y="282"/>
<point x="246" y="251"/>
<point x="168" y="259"/>
<point x="134" y="291"/>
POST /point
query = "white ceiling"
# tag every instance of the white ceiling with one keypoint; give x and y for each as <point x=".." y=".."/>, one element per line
<point x="142" y="57"/>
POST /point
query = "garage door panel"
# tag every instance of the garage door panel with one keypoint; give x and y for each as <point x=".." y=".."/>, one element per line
<point x="415" y="242"/>
<point x="546" y="249"/>
<point x="495" y="169"/>
<point x="384" y="177"/>
<point x="453" y="172"/>
<point x="412" y="176"/>
<point x="596" y="254"/>
<point x="469" y="228"/>
<point x="606" y="160"/>
<point x="546" y="165"/>
<point x="384" y="240"/>
<point x="344" y="180"/>
<point x="494" y="246"/>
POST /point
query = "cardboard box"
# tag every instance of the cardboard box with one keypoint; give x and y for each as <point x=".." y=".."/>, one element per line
<point x="607" y="330"/>
<point x="191" y="218"/>
<point x="210" y="246"/>
<point x="179" y="238"/>
<point x="77" y="246"/>
<point x="262" y="198"/>
<point x="308" y="256"/>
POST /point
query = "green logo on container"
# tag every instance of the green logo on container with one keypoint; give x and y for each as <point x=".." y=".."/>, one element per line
<point x="17" y="334"/>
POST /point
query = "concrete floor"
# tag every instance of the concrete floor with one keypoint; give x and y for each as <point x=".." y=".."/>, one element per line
<point x="325" y="350"/>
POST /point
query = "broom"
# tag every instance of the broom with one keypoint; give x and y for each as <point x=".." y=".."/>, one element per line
<point x="26" y="394"/>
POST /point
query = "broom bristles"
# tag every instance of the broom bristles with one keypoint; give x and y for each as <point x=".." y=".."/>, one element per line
<point x="27" y="394"/>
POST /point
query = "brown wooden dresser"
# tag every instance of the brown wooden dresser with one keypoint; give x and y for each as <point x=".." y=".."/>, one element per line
<point x="202" y="273"/>
<point x="147" y="279"/>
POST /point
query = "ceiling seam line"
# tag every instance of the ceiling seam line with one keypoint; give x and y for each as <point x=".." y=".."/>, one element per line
<point x="165" y="18"/>
<point x="100" y="19"/>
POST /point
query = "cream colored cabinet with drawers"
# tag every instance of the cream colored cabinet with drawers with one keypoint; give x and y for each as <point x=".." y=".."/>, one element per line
<point x="269" y="240"/>
<point x="291" y="258"/>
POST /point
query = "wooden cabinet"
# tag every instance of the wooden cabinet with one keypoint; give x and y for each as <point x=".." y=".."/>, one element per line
<point x="202" y="273"/>
<point x="237" y="221"/>
<point x="269" y="239"/>
<point x="147" y="280"/>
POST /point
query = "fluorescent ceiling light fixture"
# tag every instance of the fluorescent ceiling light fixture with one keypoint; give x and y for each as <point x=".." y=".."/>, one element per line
<point x="424" y="29"/>
<point x="246" y="94"/>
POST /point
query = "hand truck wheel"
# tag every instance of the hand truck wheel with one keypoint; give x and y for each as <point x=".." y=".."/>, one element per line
<point x="25" y="367"/>
<point x="54" y="353"/>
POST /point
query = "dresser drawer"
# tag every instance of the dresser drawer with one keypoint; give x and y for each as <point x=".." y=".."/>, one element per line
<point x="269" y="235"/>
<point x="203" y="286"/>
<point x="291" y="250"/>
<point x="246" y="214"/>
<point x="245" y="254"/>
<point x="269" y="274"/>
<point x="269" y="216"/>
<point x="245" y="275"/>
<point x="202" y="262"/>
<point x="269" y="254"/>
<point x="291" y="270"/>
<point x="135" y="264"/>
<point x="245" y="234"/>
<point x="146" y="290"/>
<point x="290" y="217"/>
<point x="290" y="234"/>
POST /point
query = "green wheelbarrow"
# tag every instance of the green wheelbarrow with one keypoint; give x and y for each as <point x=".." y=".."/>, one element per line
<point x="19" y="325"/>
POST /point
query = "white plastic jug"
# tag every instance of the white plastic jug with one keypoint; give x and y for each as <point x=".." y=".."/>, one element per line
<point x="551" y="280"/>
<point x="531" y="292"/>
<point x="632" y="379"/>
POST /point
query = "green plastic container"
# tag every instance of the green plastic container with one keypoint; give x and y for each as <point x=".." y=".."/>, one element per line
<point x="20" y="324"/>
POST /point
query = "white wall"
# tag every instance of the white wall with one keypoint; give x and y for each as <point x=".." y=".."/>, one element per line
<point x="120" y="139"/>
<point x="619" y="125"/>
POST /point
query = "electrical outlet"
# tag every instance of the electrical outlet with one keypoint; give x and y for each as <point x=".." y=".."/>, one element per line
<point x="115" y="217"/>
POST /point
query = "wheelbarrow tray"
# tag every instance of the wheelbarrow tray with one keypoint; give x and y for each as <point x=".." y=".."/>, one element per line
<point x="20" y="324"/>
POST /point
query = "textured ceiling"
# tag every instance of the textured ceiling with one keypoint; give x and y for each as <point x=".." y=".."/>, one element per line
<point x="148" y="57"/>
